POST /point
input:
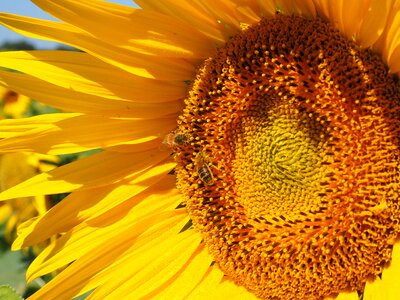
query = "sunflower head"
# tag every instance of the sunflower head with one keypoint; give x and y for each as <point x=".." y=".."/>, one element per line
<point x="292" y="170"/>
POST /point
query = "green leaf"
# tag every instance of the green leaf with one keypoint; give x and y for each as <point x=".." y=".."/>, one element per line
<point x="8" y="293"/>
<point x="12" y="271"/>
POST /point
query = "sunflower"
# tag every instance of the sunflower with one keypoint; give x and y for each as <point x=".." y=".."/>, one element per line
<point x="248" y="148"/>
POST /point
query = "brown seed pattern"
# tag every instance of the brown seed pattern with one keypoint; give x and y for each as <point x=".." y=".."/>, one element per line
<point x="303" y="129"/>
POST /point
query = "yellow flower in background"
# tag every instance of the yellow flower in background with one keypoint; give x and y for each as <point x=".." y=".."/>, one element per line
<point x="19" y="166"/>
<point x="15" y="168"/>
<point x="14" y="105"/>
<point x="246" y="153"/>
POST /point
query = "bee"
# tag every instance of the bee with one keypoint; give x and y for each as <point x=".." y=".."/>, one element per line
<point x="176" y="138"/>
<point x="202" y="164"/>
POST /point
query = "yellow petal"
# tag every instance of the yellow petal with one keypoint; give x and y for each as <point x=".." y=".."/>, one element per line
<point x="14" y="168"/>
<point x="347" y="16"/>
<point x="86" y="237"/>
<point x="148" y="66"/>
<point x="122" y="196"/>
<point x="394" y="59"/>
<point x="387" y="288"/>
<point x="227" y="288"/>
<point x="141" y="274"/>
<point x="390" y="277"/>
<point x="41" y="123"/>
<point x="71" y="100"/>
<point x="188" y="11"/>
<point x="375" y="291"/>
<point x="323" y="8"/>
<point x="135" y="186"/>
<point x="82" y="133"/>
<point x="225" y="17"/>
<point x="119" y="246"/>
<point x="41" y="204"/>
<point x="267" y="8"/>
<point x="139" y="30"/>
<point x="374" y="22"/>
<point x="215" y="285"/>
<point x="185" y="280"/>
<point x="298" y="7"/>
<point x="207" y="285"/>
<point x="108" y="167"/>
<point x="5" y="211"/>
<point x="352" y="15"/>
<point x="230" y="14"/>
<point x="389" y="42"/>
<point x="83" y="73"/>
<point x="347" y="296"/>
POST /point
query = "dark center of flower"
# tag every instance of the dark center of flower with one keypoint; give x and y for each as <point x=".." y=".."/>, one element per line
<point x="288" y="159"/>
<point x="10" y="97"/>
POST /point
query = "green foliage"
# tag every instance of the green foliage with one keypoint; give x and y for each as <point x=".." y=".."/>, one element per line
<point x="35" y="108"/>
<point x="12" y="271"/>
<point x="20" y="45"/>
<point x="8" y="293"/>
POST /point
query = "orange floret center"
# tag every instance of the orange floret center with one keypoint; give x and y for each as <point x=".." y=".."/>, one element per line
<point x="289" y="164"/>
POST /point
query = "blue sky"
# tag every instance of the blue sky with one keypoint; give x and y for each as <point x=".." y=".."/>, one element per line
<point x="26" y="8"/>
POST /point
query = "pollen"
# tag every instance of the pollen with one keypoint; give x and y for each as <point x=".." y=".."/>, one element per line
<point x="291" y="172"/>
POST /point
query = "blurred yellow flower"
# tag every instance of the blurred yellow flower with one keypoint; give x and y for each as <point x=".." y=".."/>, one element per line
<point x="246" y="152"/>
<point x="15" y="168"/>
<point x="20" y="166"/>
<point x="14" y="105"/>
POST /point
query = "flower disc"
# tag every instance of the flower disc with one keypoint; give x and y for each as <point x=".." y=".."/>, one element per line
<point x="290" y="162"/>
